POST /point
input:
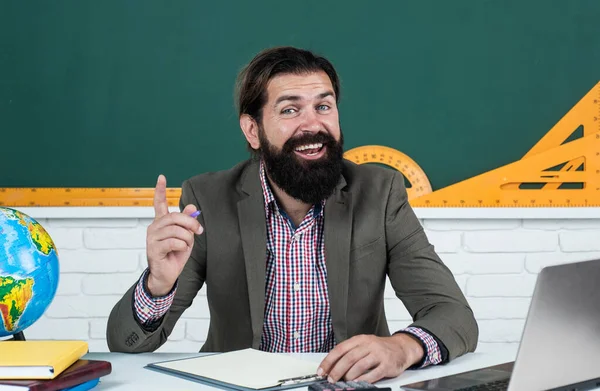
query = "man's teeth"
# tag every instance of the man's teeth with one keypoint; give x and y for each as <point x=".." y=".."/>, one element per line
<point x="309" y="146"/>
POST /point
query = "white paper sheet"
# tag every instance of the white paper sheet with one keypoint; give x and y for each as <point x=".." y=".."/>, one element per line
<point x="247" y="368"/>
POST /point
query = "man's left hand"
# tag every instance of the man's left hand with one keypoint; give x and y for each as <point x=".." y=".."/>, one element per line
<point x="370" y="358"/>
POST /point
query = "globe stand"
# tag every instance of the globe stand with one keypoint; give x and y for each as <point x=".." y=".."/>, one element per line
<point x="16" y="337"/>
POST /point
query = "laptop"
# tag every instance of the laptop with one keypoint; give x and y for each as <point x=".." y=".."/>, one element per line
<point x="560" y="344"/>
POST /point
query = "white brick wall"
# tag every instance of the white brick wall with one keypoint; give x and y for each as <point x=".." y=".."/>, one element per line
<point x="495" y="263"/>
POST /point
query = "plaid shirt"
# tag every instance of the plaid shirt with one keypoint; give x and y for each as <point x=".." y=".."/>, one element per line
<point x="297" y="313"/>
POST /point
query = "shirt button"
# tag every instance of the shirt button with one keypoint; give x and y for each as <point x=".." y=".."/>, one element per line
<point x="296" y="287"/>
<point x="296" y="335"/>
<point x="145" y="310"/>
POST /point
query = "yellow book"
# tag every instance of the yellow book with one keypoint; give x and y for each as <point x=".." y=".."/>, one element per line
<point x="38" y="359"/>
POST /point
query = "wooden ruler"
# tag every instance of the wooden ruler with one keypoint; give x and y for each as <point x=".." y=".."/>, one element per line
<point x="83" y="196"/>
<point x="419" y="183"/>
<point x="554" y="173"/>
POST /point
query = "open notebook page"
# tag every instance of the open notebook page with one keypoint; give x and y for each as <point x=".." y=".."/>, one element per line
<point x="247" y="368"/>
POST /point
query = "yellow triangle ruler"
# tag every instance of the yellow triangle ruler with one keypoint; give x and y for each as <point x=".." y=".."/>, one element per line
<point x="557" y="171"/>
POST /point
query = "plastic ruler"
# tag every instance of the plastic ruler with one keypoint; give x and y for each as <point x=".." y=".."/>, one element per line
<point x="553" y="173"/>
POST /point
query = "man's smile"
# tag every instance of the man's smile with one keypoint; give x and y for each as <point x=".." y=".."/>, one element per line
<point x="311" y="151"/>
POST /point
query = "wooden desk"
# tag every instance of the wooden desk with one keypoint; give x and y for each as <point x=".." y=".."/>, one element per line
<point x="128" y="372"/>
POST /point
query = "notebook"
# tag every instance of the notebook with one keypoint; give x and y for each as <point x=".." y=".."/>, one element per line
<point x="246" y="369"/>
<point x="82" y="371"/>
<point x="88" y="385"/>
<point x="38" y="359"/>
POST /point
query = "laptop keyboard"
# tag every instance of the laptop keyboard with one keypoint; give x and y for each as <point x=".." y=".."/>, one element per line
<point x="498" y="385"/>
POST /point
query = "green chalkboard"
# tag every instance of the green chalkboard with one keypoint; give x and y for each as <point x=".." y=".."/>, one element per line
<point x="111" y="93"/>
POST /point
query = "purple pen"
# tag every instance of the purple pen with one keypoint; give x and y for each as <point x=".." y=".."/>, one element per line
<point x="196" y="213"/>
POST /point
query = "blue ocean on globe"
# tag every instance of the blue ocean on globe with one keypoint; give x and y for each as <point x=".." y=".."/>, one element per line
<point x="29" y="271"/>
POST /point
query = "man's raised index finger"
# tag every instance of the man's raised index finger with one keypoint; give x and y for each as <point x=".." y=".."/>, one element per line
<point x="161" y="207"/>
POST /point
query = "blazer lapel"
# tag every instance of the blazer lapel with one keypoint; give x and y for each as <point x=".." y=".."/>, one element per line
<point x="251" y="214"/>
<point x="338" y="225"/>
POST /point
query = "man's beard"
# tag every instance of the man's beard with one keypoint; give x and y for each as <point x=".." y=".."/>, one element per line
<point x="309" y="181"/>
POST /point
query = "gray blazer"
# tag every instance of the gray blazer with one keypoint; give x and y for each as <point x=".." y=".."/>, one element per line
<point x="370" y="232"/>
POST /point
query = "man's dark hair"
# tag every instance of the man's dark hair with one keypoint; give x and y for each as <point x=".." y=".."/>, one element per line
<point x="251" y="86"/>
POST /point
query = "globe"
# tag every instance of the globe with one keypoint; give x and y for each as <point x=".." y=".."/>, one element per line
<point x="29" y="271"/>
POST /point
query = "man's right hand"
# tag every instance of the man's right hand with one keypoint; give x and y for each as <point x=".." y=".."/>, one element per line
<point x="169" y="241"/>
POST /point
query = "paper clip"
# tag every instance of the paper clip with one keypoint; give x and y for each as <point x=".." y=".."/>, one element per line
<point x="301" y="379"/>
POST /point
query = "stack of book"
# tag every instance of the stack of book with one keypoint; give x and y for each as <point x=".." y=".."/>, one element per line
<point x="48" y="366"/>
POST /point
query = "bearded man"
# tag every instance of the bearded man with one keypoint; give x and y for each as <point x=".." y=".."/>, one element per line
<point x="295" y="244"/>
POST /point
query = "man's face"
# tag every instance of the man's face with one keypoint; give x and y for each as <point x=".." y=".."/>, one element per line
<point x="300" y="136"/>
<point x="300" y="105"/>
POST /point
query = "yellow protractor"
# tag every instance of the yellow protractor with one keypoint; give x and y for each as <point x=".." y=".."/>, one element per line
<point x="419" y="183"/>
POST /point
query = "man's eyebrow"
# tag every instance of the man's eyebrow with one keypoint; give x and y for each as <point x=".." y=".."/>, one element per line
<point x="325" y="94"/>
<point x="296" y="98"/>
<point x="293" y="98"/>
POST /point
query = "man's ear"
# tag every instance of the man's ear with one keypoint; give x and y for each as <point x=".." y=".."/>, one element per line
<point x="250" y="129"/>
